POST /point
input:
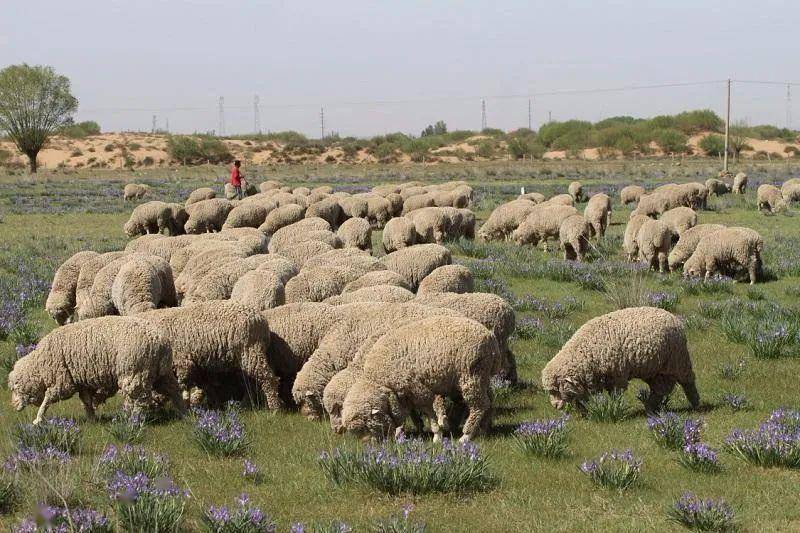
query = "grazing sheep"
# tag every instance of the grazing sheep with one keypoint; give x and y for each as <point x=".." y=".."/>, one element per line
<point x="378" y="210"/>
<point x="386" y="189"/>
<point x="259" y="290"/>
<point x="304" y="191"/>
<point x="262" y="199"/>
<point x="97" y="302"/>
<point x="375" y="293"/>
<point x="412" y="190"/>
<point x="356" y="233"/>
<point x="204" y="262"/>
<point x="717" y="187"/>
<point x="653" y="241"/>
<point x="505" y="219"/>
<point x="575" y="190"/>
<point x="143" y="242"/>
<point x="573" y="235"/>
<point x="280" y="266"/>
<point x="395" y="204"/>
<point x="281" y="217"/>
<point x="218" y="283"/>
<point x="740" y="183"/>
<point x="211" y="338"/>
<point x="629" y="243"/>
<point x="727" y="251"/>
<point x="376" y="277"/>
<point x="432" y="225"/>
<point x="198" y="195"/>
<point x="143" y="283"/>
<point x="178" y="218"/>
<point x="399" y="233"/>
<point x="303" y="251"/>
<point x="687" y="243"/>
<point x="88" y="272"/>
<point x="535" y="197"/>
<point x="631" y="194"/>
<point x="345" y="257"/>
<point x="448" y="278"/>
<point x="770" y="198"/>
<point x="598" y="214"/>
<point x="354" y="206"/>
<point x="318" y="283"/>
<point x="560" y="199"/>
<point x="322" y="189"/>
<point x="328" y="210"/>
<point x="418" y="201"/>
<point x="283" y="198"/>
<point x="296" y="233"/>
<point x="608" y="351"/>
<point x="60" y="304"/>
<point x="790" y="190"/>
<point x="150" y="217"/>
<point x="207" y="215"/>
<point x="651" y="205"/>
<point x="245" y="215"/>
<point x="679" y="219"/>
<point x="269" y="185"/>
<point x="541" y="224"/>
<point x="408" y="367"/>
<point x="135" y="191"/>
<point x="416" y="262"/>
<point x="458" y="198"/>
<point x="95" y="359"/>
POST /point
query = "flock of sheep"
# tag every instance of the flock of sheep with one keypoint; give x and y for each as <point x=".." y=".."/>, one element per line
<point x="278" y="298"/>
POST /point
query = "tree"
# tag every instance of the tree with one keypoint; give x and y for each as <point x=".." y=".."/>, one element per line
<point x="440" y="128"/>
<point x="35" y="102"/>
<point x="713" y="145"/>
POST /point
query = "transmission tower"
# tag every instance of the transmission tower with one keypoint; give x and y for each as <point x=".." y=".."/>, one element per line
<point x="221" y="116"/>
<point x="322" y="121"/>
<point x="788" y="106"/>
<point x="256" y="116"/>
<point x="154" y="125"/>
<point x="530" y="114"/>
<point x="483" y="115"/>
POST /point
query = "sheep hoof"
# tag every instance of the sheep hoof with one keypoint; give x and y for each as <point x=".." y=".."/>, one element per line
<point x="37" y="421"/>
<point x="437" y="437"/>
<point x="464" y="439"/>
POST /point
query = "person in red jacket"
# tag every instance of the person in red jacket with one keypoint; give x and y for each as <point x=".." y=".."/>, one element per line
<point x="237" y="178"/>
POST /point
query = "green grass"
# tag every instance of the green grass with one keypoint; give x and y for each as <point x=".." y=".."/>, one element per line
<point x="45" y="220"/>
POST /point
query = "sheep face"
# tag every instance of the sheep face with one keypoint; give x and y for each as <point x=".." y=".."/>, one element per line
<point x="24" y="392"/>
<point x="369" y="416"/>
<point x="131" y="229"/>
<point x="58" y="308"/>
<point x="564" y="391"/>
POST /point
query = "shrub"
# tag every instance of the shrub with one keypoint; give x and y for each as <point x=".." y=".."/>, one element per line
<point x="54" y="519"/>
<point x="127" y="426"/>
<point x="702" y="515"/>
<point x="700" y="458"/>
<point x="220" y="432"/>
<point x="672" y="432"/>
<point x="131" y="460"/>
<point x="606" y="407"/>
<point x="31" y="459"/>
<point x="713" y="145"/>
<point x="56" y="432"/>
<point x="543" y="438"/>
<point x="671" y="141"/>
<point x="145" y="504"/>
<point x="485" y="150"/>
<point x="243" y="518"/>
<point x="81" y="130"/>
<point x="615" y="469"/>
<point x="712" y="285"/>
<point x="410" y="466"/>
<point x="196" y="150"/>
<point x="776" y="442"/>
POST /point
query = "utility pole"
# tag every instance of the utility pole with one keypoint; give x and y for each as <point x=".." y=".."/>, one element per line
<point x="167" y="126"/>
<point x="221" y="131"/>
<point x="549" y="117"/>
<point x="153" y="130"/>
<point x="322" y="121"/>
<point x="256" y="116"/>
<point x="727" y="128"/>
<point x="529" y="115"/>
<point x="483" y="114"/>
<point x="788" y="106"/>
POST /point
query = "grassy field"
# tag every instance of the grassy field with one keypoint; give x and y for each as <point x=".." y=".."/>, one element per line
<point x="43" y="221"/>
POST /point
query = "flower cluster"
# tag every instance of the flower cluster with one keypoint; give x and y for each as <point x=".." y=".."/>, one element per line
<point x="772" y="340"/>
<point x="673" y="432"/>
<point x="147" y="504"/>
<point x="251" y="471"/>
<point x="664" y="300"/>
<point x="243" y="518"/>
<point x="59" y="519"/>
<point x="131" y="460"/>
<point x="714" y="284"/>
<point x="220" y="432"/>
<point x="776" y="442"/>
<point x="127" y="425"/>
<point x="546" y="438"/>
<point x="700" y="514"/>
<point x="332" y="527"/>
<point x="699" y="457"/>
<point x="614" y="469"/>
<point x="737" y="402"/>
<point x="57" y="432"/>
<point x="24" y="349"/>
<point x="27" y="458"/>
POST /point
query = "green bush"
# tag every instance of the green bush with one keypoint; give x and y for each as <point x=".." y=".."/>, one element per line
<point x="572" y="134"/>
<point x="196" y="150"/>
<point x="691" y="122"/>
<point x="713" y="145"/>
<point x="81" y="130"/>
<point x="525" y="146"/>
<point x="671" y="141"/>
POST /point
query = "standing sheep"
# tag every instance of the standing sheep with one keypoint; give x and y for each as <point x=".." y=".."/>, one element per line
<point x="416" y="262"/>
<point x="398" y="233"/>
<point x="575" y="190"/>
<point x="448" y="278"/>
<point x="376" y="277"/>
<point x="150" y="217"/>
<point x="95" y="359"/>
<point x="629" y="244"/>
<point x="356" y="233"/>
<point x="375" y="293"/>
<point x="631" y="194"/>
<point x="598" y="214"/>
<point x="259" y="290"/>
<point x="60" y="304"/>
<point x="727" y="251"/>
<point x="143" y="283"/>
<point x="574" y="236"/>
<point x="198" y="195"/>
<point x="740" y="183"/>
<point x="281" y="217"/>
<point x="717" y="187"/>
<point x="245" y="215"/>
<point x="135" y="191"/>
<point x="606" y="352"/>
<point x="296" y="233"/>
<point x="790" y="190"/>
<point x="327" y="209"/>
<point x="418" y="201"/>
<point x="88" y="272"/>
<point x="407" y="368"/>
<point x="207" y="216"/>
<point x="505" y="219"/>
<point x="653" y="241"/>
<point x="541" y="224"/>
<point x="770" y="198"/>
<point x="679" y="219"/>
<point x="687" y="243"/>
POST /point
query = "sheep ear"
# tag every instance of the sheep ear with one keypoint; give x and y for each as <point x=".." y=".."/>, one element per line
<point x="375" y="411"/>
<point x="309" y="393"/>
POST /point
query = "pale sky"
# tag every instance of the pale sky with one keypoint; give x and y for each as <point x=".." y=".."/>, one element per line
<point x="421" y="61"/>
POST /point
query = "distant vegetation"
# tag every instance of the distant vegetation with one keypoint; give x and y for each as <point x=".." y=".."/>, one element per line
<point x="197" y="149"/>
<point x="81" y="130"/>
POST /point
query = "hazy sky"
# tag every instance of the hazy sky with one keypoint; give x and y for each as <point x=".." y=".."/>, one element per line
<point x="425" y="61"/>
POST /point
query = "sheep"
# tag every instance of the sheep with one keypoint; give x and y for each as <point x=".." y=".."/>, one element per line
<point x="230" y="192"/>
<point x="598" y="214"/>
<point x="466" y="227"/>
<point x="412" y="190"/>
<point x="717" y="187"/>
<point x="573" y="236"/>
<point x="356" y="233"/>
<point x="198" y="195"/>
<point x="727" y="251"/>
<point x="245" y="215"/>
<point x="296" y="330"/>
<point x="287" y="198"/>
<point x="376" y="277"/>
<point x="143" y="283"/>
<point x="432" y="224"/>
<point x="87" y="274"/>
<point x="770" y="198"/>
<point x="416" y="262"/>
<point x="679" y="219"/>
<point x="559" y="199"/>
<point x="575" y="190"/>
<point x="358" y="327"/>
<point x="205" y="242"/>
<point x="607" y="351"/>
<point x="210" y="338"/>
<point x="458" y="198"/>
<point x="653" y="241"/>
<point x="541" y="224"/>
<point x="318" y="283"/>
<point x="296" y="233"/>
<point x="631" y="194"/>
<point x="150" y="217"/>
<point x="204" y="262"/>
<point x="740" y="183"/>
<point x="398" y="233"/>
<point x="345" y="257"/>
<point x="687" y="243"/>
<point x="408" y="367"/>
<point x="375" y="293"/>
<point x="97" y="302"/>
<point x="322" y="189"/>
<point x="280" y="266"/>
<point x="629" y="243"/>
<point x="448" y="278"/>
<point x="535" y="197"/>
<point x="303" y="251"/>
<point x="135" y="191"/>
<point x="262" y="199"/>
<point x="386" y="189"/>
<point x="143" y="242"/>
<point x="96" y="358"/>
<point x="206" y="216"/>
<point x="790" y="190"/>
<point x="218" y="283"/>
<point x="418" y="201"/>
<point x="281" y="217"/>
<point x="60" y="304"/>
<point x="259" y="290"/>
<point x="354" y="206"/>
<point x="304" y="191"/>
<point x="268" y="185"/>
<point x="328" y="210"/>
<point x="378" y="210"/>
<point x="505" y="219"/>
<point x="652" y="205"/>
<point x="178" y="218"/>
<point x="395" y="204"/>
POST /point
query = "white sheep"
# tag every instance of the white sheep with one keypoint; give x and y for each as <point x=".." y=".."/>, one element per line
<point x="770" y="198"/>
<point x="399" y="232"/>
<point x="416" y="262"/>
<point x="573" y="235"/>
<point x="542" y="224"/>
<point x="727" y="251"/>
<point x="60" y="304"/>
<point x="653" y="241"/>
<point x="687" y="243"/>
<point x="207" y="215"/>
<point x="598" y="214"/>
<point x="631" y="194"/>
<point x="356" y="233"/>
<point x="448" y="278"/>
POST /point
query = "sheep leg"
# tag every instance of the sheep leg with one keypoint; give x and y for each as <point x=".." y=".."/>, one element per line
<point x="662" y="263"/>
<point x="690" y="390"/>
<point x="476" y="395"/>
<point x="88" y="404"/>
<point x="168" y="386"/>
<point x="137" y="391"/>
<point x="660" y="388"/>
<point x="440" y="411"/>
<point x="49" y="396"/>
<point x="753" y="269"/>
<point x="256" y="368"/>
